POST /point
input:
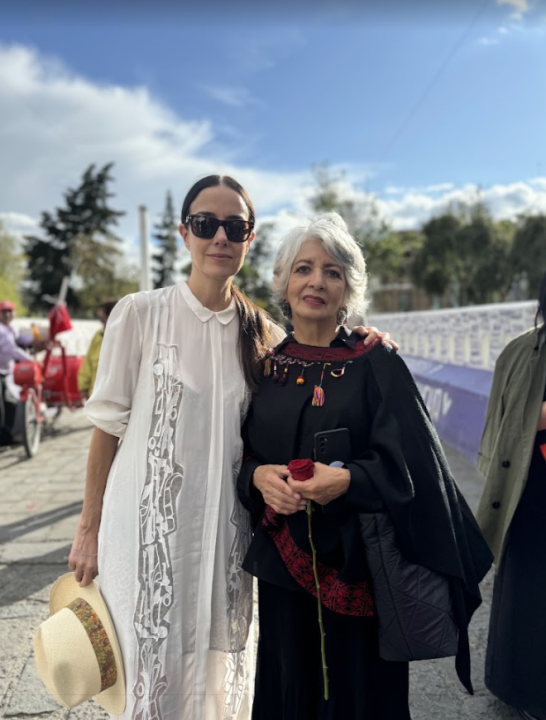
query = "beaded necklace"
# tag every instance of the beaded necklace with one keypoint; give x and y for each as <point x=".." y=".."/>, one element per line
<point x="274" y="360"/>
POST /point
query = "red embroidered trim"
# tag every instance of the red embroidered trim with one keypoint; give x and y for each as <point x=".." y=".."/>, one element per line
<point x="336" y="595"/>
<point x="319" y="354"/>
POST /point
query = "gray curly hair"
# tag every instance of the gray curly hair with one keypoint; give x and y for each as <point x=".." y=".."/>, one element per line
<point x="331" y="230"/>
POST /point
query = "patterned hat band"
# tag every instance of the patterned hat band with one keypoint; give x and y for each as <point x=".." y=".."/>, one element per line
<point x="98" y="638"/>
<point x="76" y="650"/>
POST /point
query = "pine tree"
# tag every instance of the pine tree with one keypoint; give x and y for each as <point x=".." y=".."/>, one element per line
<point x="80" y="229"/>
<point x="166" y="234"/>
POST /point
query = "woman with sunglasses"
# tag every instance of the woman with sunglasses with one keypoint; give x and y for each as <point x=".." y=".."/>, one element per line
<point x="176" y="370"/>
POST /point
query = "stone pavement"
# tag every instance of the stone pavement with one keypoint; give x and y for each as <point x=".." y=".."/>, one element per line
<point x="41" y="501"/>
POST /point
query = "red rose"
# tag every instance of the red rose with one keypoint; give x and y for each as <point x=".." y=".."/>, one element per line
<point x="301" y="469"/>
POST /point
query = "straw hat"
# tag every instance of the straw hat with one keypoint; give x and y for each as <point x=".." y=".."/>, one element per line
<point x="76" y="650"/>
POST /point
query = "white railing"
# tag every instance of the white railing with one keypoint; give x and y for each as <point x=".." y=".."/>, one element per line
<point x="470" y="336"/>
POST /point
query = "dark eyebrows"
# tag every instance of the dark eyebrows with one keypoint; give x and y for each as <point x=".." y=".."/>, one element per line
<point x="336" y="266"/>
<point x="206" y="213"/>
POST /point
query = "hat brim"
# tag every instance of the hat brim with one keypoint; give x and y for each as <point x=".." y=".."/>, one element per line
<point x="63" y="592"/>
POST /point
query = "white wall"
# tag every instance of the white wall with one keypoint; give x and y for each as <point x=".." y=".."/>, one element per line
<point x="75" y="341"/>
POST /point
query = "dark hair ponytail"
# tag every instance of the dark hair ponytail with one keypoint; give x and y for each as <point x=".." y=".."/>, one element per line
<point x="541" y="311"/>
<point x="254" y="333"/>
<point x="254" y="337"/>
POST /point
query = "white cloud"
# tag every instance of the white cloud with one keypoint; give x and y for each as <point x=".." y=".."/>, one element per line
<point x="408" y="208"/>
<point x="18" y="224"/>
<point x="539" y="182"/>
<point x="232" y="96"/>
<point x="412" y="208"/>
<point x="488" y="41"/>
<point x="55" y="123"/>
<point x="520" y="6"/>
<point x="514" y="23"/>
<point x="439" y="187"/>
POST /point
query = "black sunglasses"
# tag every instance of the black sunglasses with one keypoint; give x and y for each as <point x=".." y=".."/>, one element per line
<point x="205" y="227"/>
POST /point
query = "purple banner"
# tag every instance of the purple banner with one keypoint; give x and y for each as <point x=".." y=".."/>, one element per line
<point x="456" y="398"/>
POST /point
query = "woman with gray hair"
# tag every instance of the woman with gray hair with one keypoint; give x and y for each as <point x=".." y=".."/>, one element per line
<point x="322" y="388"/>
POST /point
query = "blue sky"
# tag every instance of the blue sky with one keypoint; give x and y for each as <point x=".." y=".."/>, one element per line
<point x="417" y="106"/>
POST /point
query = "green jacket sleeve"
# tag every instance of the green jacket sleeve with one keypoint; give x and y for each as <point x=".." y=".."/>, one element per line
<point x="493" y="417"/>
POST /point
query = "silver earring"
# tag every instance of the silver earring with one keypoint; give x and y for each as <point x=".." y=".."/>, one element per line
<point x="341" y="317"/>
<point x="286" y="309"/>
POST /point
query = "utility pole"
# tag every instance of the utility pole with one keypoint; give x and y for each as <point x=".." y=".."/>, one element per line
<point x="144" y="249"/>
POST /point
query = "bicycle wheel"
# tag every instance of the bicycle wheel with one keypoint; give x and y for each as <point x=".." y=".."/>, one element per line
<point x="32" y="427"/>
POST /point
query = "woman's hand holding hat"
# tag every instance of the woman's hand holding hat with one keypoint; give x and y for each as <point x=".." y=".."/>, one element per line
<point x="83" y="558"/>
<point x="76" y="650"/>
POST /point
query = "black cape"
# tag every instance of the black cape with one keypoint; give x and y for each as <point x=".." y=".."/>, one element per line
<point x="404" y="467"/>
<point x="436" y="527"/>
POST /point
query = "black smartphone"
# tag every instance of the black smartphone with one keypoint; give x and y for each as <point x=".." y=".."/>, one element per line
<point x="332" y="445"/>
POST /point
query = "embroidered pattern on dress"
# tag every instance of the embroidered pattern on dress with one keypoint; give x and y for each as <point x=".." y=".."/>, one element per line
<point x="157" y="515"/>
<point x="341" y="597"/>
<point x="310" y="354"/>
<point x="239" y="597"/>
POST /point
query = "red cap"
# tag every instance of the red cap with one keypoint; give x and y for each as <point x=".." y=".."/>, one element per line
<point x="6" y="305"/>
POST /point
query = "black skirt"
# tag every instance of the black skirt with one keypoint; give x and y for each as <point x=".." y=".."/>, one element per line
<point x="516" y="647"/>
<point x="289" y="684"/>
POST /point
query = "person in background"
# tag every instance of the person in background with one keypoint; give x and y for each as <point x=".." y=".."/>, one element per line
<point x="88" y="369"/>
<point x="11" y="342"/>
<point x="13" y="348"/>
<point x="511" y="513"/>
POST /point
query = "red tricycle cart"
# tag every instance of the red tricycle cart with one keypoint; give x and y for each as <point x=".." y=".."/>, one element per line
<point x="49" y="385"/>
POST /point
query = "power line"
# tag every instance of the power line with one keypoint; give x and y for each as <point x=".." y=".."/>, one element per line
<point x="431" y="85"/>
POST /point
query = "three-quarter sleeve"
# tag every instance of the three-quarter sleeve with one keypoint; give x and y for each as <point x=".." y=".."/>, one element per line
<point x="250" y="497"/>
<point x="109" y="407"/>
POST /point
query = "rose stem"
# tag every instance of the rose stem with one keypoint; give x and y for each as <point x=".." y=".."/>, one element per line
<point x="309" y="510"/>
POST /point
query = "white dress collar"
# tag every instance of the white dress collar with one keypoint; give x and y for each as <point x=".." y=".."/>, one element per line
<point x="202" y="312"/>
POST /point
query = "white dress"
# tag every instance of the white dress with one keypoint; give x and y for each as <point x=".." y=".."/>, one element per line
<point x="173" y="533"/>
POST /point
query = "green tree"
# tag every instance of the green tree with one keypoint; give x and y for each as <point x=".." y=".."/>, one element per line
<point x="430" y="269"/>
<point x="101" y="272"/>
<point x="528" y="256"/>
<point x="166" y="235"/>
<point x="252" y="277"/>
<point x="12" y="268"/>
<point x="85" y="218"/>
<point x="389" y="260"/>
<point x="465" y="256"/>
<point x="363" y="218"/>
